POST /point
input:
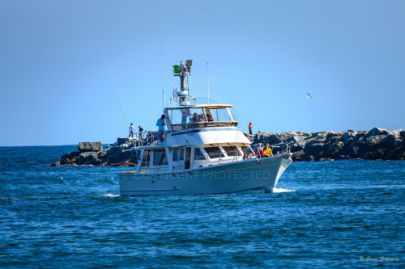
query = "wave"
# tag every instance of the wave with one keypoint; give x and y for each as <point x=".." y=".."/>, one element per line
<point x="281" y="190"/>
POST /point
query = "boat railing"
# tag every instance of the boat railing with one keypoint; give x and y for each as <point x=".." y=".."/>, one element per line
<point x="229" y="159"/>
<point x="145" y="138"/>
<point x="282" y="147"/>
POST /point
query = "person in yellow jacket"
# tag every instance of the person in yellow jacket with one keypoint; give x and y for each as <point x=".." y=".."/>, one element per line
<point x="268" y="152"/>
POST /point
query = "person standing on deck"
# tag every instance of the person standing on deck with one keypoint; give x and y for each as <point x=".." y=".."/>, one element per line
<point x="140" y="130"/>
<point x="161" y="123"/>
<point x="131" y="130"/>
<point x="250" y="127"/>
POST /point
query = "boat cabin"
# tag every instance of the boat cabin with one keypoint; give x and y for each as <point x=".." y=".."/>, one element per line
<point x="165" y="159"/>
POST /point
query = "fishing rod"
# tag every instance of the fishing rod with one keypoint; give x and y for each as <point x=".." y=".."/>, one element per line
<point x="115" y="87"/>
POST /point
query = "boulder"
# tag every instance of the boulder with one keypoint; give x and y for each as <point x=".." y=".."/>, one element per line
<point x="118" y="156"/>
<point x="69" y="158"/>
<point x="374" y="141"/>
<point x="300" y="140"/>
<point x="102" y="156"/>
<point x="391" y="141"/>
<point x="332" y="149"/>
<point x="314" y="148"/>
<point x="377" y="131"/>
<point x="309" y="158"/>
<point x="267" y="138"/>
<point x="348" y="136"/>
<point x="334" y="136"/>
<point x="319" y="136"/>
<point x="90" y="146"/>
<point x="347" y="149"/>
<point x="360" y="135"/>
<point x="121" y="140"/>
<point x="88" y="158"/>
<point x="395" y="154"/>
<point x="298" y="155"/>
<point x="294" y="147"/>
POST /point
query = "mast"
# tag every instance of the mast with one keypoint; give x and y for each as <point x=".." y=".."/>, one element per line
<point x="183" y="71"/>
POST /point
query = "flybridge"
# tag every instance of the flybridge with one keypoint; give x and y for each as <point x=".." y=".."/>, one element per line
<point x="199" y="116"/>
<point x="186" y="116"/>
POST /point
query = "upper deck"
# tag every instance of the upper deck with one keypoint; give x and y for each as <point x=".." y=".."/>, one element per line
<point x="199" y="116"/>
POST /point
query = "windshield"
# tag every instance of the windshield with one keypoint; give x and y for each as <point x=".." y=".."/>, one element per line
<point x="214" y="152"/>
<point x="232" y="151"/>
<point x="185" y="118"/>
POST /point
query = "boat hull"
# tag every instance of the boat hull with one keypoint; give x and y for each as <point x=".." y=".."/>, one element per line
<point x="232" y="177"/>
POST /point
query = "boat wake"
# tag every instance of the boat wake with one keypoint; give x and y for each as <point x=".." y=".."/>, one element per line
<point x="281" y="190"/>
<point x="110" y="195"/>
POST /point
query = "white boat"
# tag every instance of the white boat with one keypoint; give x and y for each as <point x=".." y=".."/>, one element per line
<point x="203" y="152"/>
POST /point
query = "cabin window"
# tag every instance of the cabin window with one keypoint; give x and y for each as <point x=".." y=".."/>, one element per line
<point x="181" y="155"/>
<point x="198" y="155"/>
<point x="219" y="114"/>
<point x="178" y="116"/>
<point x="175" y="155"/>
<point x="197" y="115"/>
<point x="231" y="116"/>
<point x="146" y="156"/>
<point x="232" y="151"/>
<point x="214" y="152"/>
<point x="159" y="157"/>
<point x="178" y="154"/>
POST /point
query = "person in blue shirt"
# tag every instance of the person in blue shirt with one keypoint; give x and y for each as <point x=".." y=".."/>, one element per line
<point x="161" y="123"/>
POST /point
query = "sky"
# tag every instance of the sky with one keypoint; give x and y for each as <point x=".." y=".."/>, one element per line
<point x="263" y="57"/>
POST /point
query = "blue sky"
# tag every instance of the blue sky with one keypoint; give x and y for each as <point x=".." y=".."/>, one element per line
<point x="263" y="57"/>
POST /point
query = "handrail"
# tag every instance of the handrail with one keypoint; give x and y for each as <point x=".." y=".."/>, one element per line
<point x="285" y="147"/>
<point x="144" y="138"/>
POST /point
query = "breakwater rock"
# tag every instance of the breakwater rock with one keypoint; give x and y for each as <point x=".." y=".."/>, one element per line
<point x="93" y="153"/>
<point x="376" y="144"/>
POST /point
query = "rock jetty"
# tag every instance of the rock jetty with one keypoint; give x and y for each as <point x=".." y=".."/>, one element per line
<point x="93" y="153"/>
<point x="376" y="144"/>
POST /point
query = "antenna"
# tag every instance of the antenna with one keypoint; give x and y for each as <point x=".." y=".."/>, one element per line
<point x="208" y="82"/>
<point x="163" y="83"/>
<point x="206" y="56"/>
<point x="115" y="87"/>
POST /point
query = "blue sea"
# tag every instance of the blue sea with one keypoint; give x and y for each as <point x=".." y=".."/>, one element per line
<point x="340" y="214"/>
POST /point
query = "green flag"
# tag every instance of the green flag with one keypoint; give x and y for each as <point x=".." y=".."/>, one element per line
<point x="176" y="70"/>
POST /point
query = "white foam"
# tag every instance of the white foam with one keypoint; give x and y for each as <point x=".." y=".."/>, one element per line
<point x="281" y="190"/>
<point x="110" y="195"/>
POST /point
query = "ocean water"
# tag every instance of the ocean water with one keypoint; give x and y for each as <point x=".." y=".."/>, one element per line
<point x="341" y="214"/>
